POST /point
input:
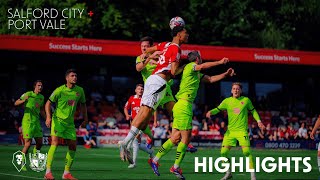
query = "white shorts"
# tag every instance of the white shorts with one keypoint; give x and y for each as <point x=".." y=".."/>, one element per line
<point x="154" y="91"/>
<point x="318" y="146"/>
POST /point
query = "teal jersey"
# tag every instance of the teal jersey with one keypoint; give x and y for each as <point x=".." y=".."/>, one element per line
<point x="189" y="84"/>
<point x="33" y="104"/>
<point x="237" y="109"/>
<point x="66" y="100"/>
<point x="147" y="71"/>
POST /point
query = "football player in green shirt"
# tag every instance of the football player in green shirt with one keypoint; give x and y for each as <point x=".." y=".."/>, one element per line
<point x="33" y="105"/>
<point x="237" y="107"/>
<point x="182" y="110"/>
<point x="66" y="98"/>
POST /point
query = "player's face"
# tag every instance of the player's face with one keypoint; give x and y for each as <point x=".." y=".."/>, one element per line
<point x="72" y="78"/>
<point x="144" y="46"/>
<point x="139" y="91"/>
<point x="184" y="35"/>
<point x="236" y="91"/>
<point x="38" y="87"/>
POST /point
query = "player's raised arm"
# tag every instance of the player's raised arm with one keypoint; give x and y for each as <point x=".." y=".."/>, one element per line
<point x="211" y="79"/>
<point x="208" y="65"/>
<point x="151" y="49"/>
<point x="316" y="126"/>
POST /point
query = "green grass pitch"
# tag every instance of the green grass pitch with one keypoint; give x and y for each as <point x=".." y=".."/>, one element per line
<point x="104" y="163"/>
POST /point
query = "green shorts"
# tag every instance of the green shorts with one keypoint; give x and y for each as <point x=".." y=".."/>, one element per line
<point x="182" y="115"/>
<point x="62" y="129"/>
<point x="168" y="97"/>
<point x="31" y="128"/>
<point x="231" y="138"/>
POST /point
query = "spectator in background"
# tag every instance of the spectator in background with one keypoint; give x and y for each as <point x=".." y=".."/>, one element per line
<point x="291" y="133"/>
<point x="91" y="130"/>
<point x="254" y="132"/>
<point x="159" y="131"/>
<point x="164" y="121"/>
<point x="204" y="125"/>
<point x="96" y="96"/>
<point x="303" y="133"/>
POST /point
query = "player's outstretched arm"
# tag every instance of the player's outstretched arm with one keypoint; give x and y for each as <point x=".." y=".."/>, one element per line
<point x="151" y="49"/>
<point x="316" y="126"/>
<point x="256" y="115"/>
<point x="211" y="79"/>
<point x="208" y="65"/>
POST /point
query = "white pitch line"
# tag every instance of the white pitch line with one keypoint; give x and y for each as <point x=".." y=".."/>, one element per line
<point x="15" y="175"/>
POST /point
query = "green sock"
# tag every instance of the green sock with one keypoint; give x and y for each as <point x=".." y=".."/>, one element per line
<point x="148" y="132"/>
<point x="246" y="152"/>
<point x="165" y="148"/>
<point x="181" y="151"/>
<point x="69" y="160"/>
<point x="51" y="152"/>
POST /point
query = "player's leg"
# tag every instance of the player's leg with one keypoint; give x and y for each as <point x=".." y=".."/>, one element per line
<point x="154" y="91"/>
<point x="72" y="146"/>
<point x="135" y="148"/>
<point x="56" y="130"/>
<point x="38" y="137"/>
<point x="244" y="142"/>
<point x="27" y="133"/>
<point x="181" y="151"/>
<point x="182" y="115"/>
<point x="71" y="138"/>
<point x="227" y="143"/>
<point x="51" y="152"/>
<point x="27" y="144"/>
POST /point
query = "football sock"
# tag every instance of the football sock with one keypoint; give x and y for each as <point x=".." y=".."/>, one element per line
<point x="181" y="151"/>
<point x="135" y="147"/>
<point x="51" y="152"/>
<point x="165" y="148"/>
<point x="132" y="134"/>
<point x="69" y="160"/>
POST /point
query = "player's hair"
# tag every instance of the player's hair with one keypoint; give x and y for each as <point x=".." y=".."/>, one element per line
<point x="176" y="30"/>
<point x="35" y="83"/>
<point x="139" y="85"/>
<point x="237" y="83"/>
<point x="70" y="71"/>
<point x="147" y="38"/>
<point x="193" y="55"/>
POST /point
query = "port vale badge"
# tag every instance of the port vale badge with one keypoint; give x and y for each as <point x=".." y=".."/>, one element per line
<point x="38" y="161"/>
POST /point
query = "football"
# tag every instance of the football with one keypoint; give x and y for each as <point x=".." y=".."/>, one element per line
<point x="176" y="21"/>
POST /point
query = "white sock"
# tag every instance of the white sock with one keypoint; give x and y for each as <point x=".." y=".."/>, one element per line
<point x="66" y="172"/>
<point x="319" y="162"/>
<point x="131" y="135"/>
<point x="155" y="159"/>
<point x="135" y="148"/>
<point x="48" y="170"/>
<point x="253" y="174"/>
<point x="129" y="145"/>
<point x="143" y="147"/>
<point x="175" y="166"/>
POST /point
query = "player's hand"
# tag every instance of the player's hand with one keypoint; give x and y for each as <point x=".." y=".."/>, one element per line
<point x="224" y="60"/>
<point x="312" y="134"/>
<point x="156" y="55"/>
<point x="143" y="56"/>
<point x="128" y="117"/>
<point x="208" y="115"/>
<point x="230" y="72"/>
<point x="84" y="124"/>
<point x="48" y="122"/>
<point x="261" y="125"/>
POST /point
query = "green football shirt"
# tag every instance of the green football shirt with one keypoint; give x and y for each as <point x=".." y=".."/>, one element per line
<point x="237" y="109"/>
<point x="147" y="71"/>
<point x="189" y="84"/>
<point x="66" y="100"/>
<point x="33" y="105"/>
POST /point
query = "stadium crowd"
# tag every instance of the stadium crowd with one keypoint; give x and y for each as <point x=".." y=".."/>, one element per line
<point x="106" y="112"/>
